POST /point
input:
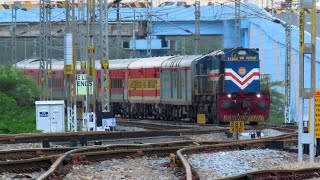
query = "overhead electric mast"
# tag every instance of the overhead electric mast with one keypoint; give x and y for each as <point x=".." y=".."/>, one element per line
<point x="237" y="22"/>
<point x="70" y="65"/>
<point x="149" y="29"/>
<point x="104" y="55"/>
<point x="287" y="109"/>
<point x="197" y="27"/>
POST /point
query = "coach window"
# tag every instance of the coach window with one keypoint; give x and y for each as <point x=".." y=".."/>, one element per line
<point x="116" y="83"/>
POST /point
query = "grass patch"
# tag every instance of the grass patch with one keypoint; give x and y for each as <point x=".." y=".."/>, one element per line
<point x="20" y="120"/>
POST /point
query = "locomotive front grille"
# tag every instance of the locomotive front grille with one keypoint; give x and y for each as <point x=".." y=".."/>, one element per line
<point x="245" y="118"/>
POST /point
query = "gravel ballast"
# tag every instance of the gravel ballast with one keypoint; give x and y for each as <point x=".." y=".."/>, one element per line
<point x="144" y="168"/>
<point x="20" y="146"/>
<point x="13" y="176"/>
<point x="231" y="163"/>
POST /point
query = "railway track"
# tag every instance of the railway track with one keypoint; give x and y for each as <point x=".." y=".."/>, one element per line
<point x="101" y="135"/>
<point x="304" y="173"/>
<point x="49" y="156"/>
<point x="20" y="154"/>
<point x="160" y="124"/>
<point x="182" y="154"/>
<point x="56" y="161"/>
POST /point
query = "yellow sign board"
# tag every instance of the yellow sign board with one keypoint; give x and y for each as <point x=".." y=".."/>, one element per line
<point x="317" y="114"/>
<point x="68" y="69"/>
<point x="301" y="26"/>
<point x="236" y="126"/>
<point x="201" y="118"/>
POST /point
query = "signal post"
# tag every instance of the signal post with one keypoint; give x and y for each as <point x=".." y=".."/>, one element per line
<point x="307" y="93"/>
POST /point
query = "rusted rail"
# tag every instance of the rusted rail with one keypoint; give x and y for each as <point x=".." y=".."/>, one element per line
<point x="19" y="154"/>
<point x="29" y="165"/>
<point x="100" y="135"/>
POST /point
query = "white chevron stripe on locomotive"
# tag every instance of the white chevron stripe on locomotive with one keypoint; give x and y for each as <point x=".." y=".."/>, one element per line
<point x="242" y="82"/>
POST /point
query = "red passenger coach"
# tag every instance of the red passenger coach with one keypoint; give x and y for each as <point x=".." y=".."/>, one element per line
<point x="117" y="81"/>
<point x="144" y="80"/>
<point x="144" y="83"/>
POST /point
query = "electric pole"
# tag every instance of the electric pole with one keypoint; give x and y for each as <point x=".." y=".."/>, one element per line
<point x="149" y="29"/>
<point x="307" y="93"/>
<point x="197" y="27"/>
<point x="237" y="22"/>
<point x="287" y="111"/>
<point x="48" y="55"/>
<point x="70" y="67"/>
<point x="118" y="38"/>
<point x="104" y="55"/>
<point x="13" y="33"/>
<point x="43" y="48"/>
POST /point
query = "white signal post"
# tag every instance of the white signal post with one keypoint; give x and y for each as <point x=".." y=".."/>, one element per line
<point x="307" y="93"/>
<point x="70" y="65"/>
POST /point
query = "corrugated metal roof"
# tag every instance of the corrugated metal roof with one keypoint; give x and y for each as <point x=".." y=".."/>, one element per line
<point x="208" y="13"/>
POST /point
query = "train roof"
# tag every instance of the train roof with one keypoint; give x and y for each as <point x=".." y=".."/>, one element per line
<point x="31" y="63"/>
<point x="180" y="61"/>
<point x="151" y="62"/>
<point x="135" y="63"/>
<point x="120" y="63"/>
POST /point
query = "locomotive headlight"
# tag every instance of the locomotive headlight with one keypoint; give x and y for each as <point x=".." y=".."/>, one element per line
<point x="258" y="95"/>
<point x="229" y="95"/>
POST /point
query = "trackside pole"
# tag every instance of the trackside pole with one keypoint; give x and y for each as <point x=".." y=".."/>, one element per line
<point x="307" y="92"/>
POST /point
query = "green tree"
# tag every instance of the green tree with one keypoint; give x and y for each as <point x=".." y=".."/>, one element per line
<point x="14" y="84"/>
<point x="277" y="98"/>
<point x="277" y="103"/>
<point x="17" y="92"/>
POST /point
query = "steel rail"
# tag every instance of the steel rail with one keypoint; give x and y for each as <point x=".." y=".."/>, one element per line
<point x="49" y="158"/>
<point x="19" y="154"/>
<point x="99" y="135"/>
<point x="102" y="155"/>
<point x="303" y="173"/>
<point x="242" y="144"/>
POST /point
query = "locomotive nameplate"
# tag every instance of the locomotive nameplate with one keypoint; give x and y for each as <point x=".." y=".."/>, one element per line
<point x="317" y="114"/>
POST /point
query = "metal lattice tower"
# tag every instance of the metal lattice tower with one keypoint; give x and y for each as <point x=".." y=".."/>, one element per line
<point x="70" y="71"/>
<point x="14" y="35"/>
<point x="118" y="38"/>
<point x="104" y="55"/>
<point x="43" y="46"/>
<point x="288" y="64"/>
<point x="237" y="22"/>
<point x="91" y="72"/>
<point x="82" y="33"/>
<point x="149" y="29"/>
<point x="197" y="27"/>
<point x="48" y="55"/>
